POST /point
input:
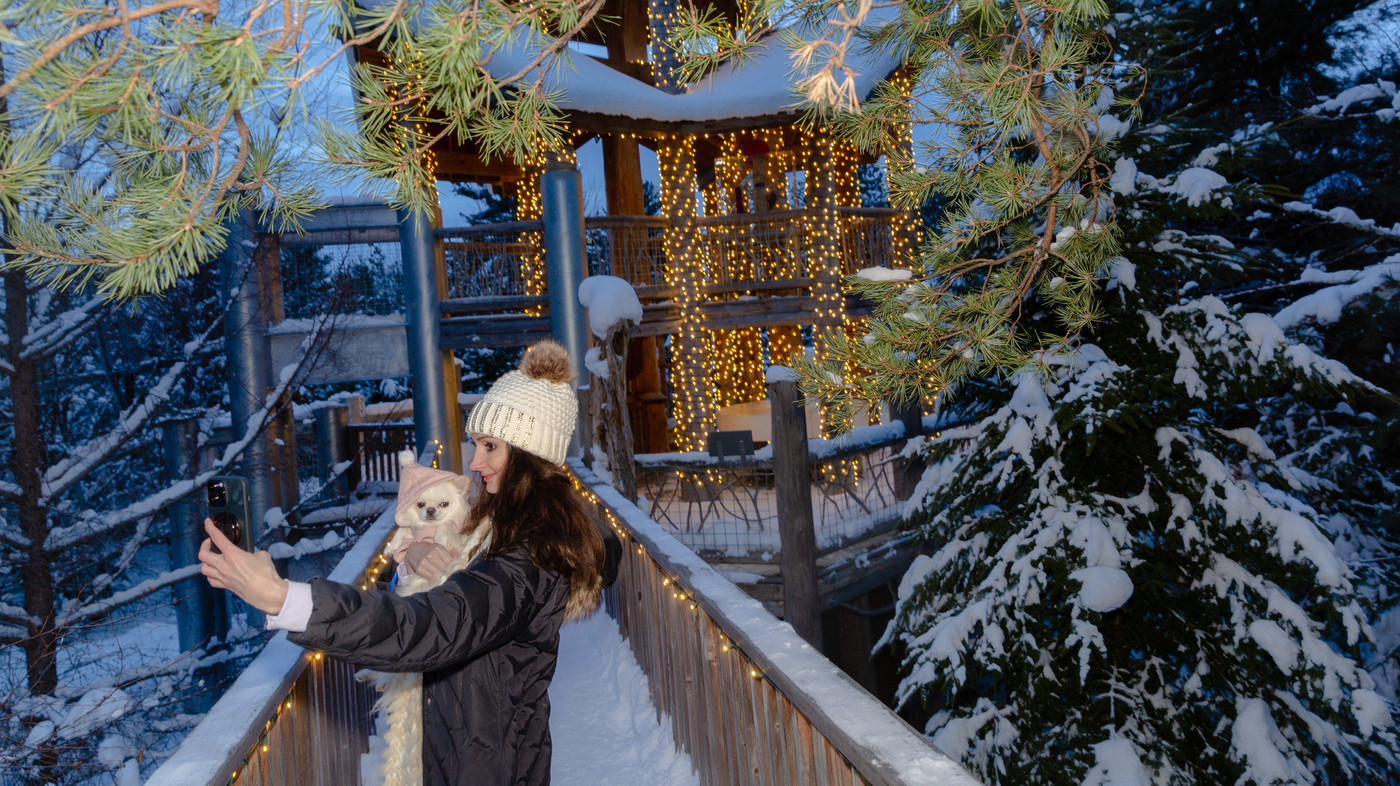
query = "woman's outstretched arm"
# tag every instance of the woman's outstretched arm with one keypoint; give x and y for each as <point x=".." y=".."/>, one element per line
<point x="472" y="612"/>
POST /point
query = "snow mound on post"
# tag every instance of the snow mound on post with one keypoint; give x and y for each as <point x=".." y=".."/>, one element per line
<point x="779" y="374"/>
<point x="609" y="300"/>
<point x="885" y="274"/>
<point x="1104" y="589"/>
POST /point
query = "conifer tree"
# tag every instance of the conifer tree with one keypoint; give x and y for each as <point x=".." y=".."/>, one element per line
<point x="1159" y="552"/>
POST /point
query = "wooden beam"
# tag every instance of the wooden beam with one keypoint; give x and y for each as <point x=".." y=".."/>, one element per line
<point x="792" y="480"/>
<point x="467" y="326"/>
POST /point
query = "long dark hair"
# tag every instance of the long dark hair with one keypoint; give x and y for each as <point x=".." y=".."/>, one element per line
<point x="538" y="506"/>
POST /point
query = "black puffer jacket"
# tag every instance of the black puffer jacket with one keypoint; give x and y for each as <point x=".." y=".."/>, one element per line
<point x="486" y="641"/>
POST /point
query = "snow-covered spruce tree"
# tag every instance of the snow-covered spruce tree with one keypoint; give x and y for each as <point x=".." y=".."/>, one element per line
<point x="1128" y="581"/>
<point x="1154" y="556"/>
<point x="1168" y="557"/>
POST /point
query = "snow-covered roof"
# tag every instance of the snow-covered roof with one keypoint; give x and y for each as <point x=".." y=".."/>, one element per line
<point x="761" y="86"/>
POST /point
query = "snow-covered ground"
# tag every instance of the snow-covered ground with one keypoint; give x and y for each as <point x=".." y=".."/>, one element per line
<point x="604" y="725"/>
<point x="603" y="722"/>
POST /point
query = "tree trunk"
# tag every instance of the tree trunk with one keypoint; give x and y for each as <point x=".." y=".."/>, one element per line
<point x="611" y="422"/>
<point x="26" y="463"/>
<point x="619" y="436"/>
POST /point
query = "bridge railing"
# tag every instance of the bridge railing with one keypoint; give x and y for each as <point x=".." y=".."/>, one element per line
<point x="292" y="718"/>
<point x="751" y="702"/>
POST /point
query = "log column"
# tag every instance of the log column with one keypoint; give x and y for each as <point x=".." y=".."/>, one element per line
<point x="249" y="363"/>
<point x="646" y="399"/>
<point x="437" y="418"/>
<point x="690" y="348"/>
<point x="792" y="477"/>
<point x="824" y="238"/>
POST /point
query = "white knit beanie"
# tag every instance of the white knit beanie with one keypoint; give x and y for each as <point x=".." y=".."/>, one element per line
<point x="534" y="409"/>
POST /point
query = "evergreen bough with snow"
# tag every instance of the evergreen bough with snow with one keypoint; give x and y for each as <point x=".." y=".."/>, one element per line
<point x="1128" y="584"/>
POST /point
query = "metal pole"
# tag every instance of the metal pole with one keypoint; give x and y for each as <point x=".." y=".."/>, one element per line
<point x="194" y="598"/>
<point x="333" y="447"/>
<point x="433" y="420"/>
<point x="249" y="363"/>
<point x="566" y="265"/>
<point x="792" y="479"/>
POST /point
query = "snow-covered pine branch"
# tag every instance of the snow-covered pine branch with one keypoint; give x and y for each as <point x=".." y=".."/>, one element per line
<point x="1380" y="90"/>
<point x="1325" y="305"/>
<point x="96" y="524"/>
<point x="13" y="615"/>
<point x="1344" y="216"/>
<point x="83" y="459"/>
<point x="101" y="608"/>
<point x="63" y="329"/>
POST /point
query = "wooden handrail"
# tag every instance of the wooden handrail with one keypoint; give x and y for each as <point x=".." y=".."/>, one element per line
<point x="749" y="700"/>
<point x="291" y="717"/>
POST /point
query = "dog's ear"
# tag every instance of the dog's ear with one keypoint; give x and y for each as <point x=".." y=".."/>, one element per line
<point x="461" y="483"/>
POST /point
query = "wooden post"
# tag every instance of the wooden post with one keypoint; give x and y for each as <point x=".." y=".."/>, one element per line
<point x="608" y="402"/>
<point x="333" y="446"/>
<point x="623" y="170"/>
<point x="646" y="402"/>
<point x="802" y="606"/>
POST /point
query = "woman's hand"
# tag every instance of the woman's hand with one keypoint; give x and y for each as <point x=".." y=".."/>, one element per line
<point x="428" y="560"/>
<point x="251" y="577"/>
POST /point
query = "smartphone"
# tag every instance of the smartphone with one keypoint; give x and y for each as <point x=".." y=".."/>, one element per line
<point x="222" y="512"/>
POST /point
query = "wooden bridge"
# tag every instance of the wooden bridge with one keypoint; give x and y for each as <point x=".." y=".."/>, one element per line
<point x="749" y="701"/>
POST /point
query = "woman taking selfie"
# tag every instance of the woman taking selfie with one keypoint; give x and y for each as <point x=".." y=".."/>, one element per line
<point x="487" y="637"/>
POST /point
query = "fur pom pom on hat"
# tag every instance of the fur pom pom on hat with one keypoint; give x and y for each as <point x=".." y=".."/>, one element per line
<point x="414" y="479"/>
<point x="534" y="409"/>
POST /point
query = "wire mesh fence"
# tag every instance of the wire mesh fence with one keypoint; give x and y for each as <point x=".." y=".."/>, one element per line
<point x="494" y="260"/>
<point x="629" y="247"/>
<point x="729" y="509"/>
<point x="867" y="238"/>
<point x="507" y="259"/>
<point x="755" y="247"/>
<point x="342" y="278"/>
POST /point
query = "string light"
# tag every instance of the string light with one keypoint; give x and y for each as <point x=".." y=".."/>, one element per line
<point x="606" y="513"/>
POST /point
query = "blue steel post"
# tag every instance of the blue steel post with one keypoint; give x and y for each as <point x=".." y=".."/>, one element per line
<point x="249" y="362"/>
<point x="436" y="413"/>
<point x="566" y="265"/>
<point x="194" y="598"/>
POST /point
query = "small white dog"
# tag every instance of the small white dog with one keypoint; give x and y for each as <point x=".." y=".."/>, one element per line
<point x="432" y="508"/>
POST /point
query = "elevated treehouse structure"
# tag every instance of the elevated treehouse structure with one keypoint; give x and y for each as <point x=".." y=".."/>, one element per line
<point x="760" y="220"/>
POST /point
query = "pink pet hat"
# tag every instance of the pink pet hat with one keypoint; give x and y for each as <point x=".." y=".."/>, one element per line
<point x="414" y="479"/>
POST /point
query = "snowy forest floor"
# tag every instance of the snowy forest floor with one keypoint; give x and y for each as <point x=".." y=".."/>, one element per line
<point x="604" y="725"/>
